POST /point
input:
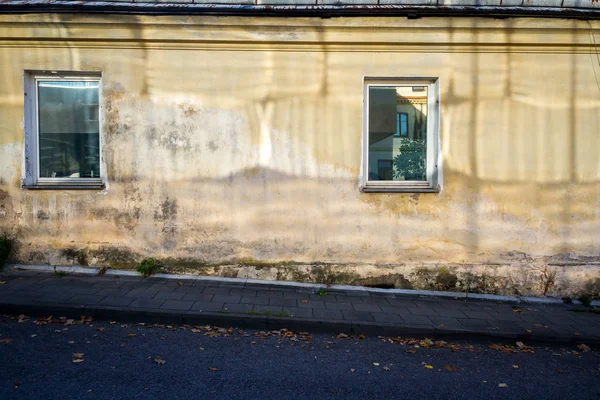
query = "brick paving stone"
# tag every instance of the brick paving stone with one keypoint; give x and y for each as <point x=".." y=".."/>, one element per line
<point x="340" y="298"/>
<point x="116" y="301"/>
<point x="142" y="293"/>
<point x="238" y="308"/>
<point x="327" y="314"/>
<point x="535" y="319"/>
<point x="282" y="301"/>
<point x="357" y="315"/>
<point x="177" y="305"/>
<point x="55" y="297"/>
<point x="561" y="319"/>
<point x="590" y="320"/>
<point x="416" y="320"/>
<point x="384" y="301"/>
<point x="367" y="307"/>
<point x="52" y="288"/>
<point x="299" y="312"/>
<point x="242" y="292"/>
<point x="216" y="290"/>
<point x="207" y="306"/>
<point x="339" y="306"/>
<point x="296" y="295"/>
<point x="455" y="305"/>
<point x="85" y="299"/>
<point x="268" y="309"/>
<point x="445" y="322"/>
<point x="222" y="298"/>
<point x="401" y="302"/>
<point x="146" y="303"/>
<point x="112" y="292"/>
<point x="311" y="304"/>
<point x="591" y="331"/>
<point x="449" y="313"/>
<point x="476" y="324"/>
<point x="28" y="295"/>
<point x="274" y="293"/>
<point x="477" y="315"/>
<point x="262" y="300"/>
<point x="507" y="317"/>
<point x="422" y="311"/>
<point x="507" y="326"/>
<point x="161" y="286"/>
<point x="169" y="296"/>
<point x="388" y="317"/>
<point x="198" y="297"/>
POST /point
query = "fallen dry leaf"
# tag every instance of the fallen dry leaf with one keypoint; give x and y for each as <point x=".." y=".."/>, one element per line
<point x="2" y="283"/>
<point x="352" y="369"/>
<point x="78" y="360"/>
<point x="386" y="368"/>
<point x="584" y="348"/>
<point x="342" y="336"/>
<point x="77" y="355"/>
<point x="158" y="360"/>
<point x="6" y="340"/>
<point x="450" y="368"/>
<point x="502" y="385"/>
<point x="213" y="369"/>
<point x="101" y="329"/>
<point x="515" y="366"/>
<point x="131" y="335"/>
<point x="428" y="366"/>
<point x="376" y="364"/>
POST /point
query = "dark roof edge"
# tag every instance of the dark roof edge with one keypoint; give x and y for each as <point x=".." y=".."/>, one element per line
<point x="322" y="11"/>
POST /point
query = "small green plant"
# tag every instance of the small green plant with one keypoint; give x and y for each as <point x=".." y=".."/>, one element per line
<point x="585" y="300"/>
<point x="567" y="300"/>
<point x="148" y="266"/>
<point x="5" y="247"/>
<point x="321" y="292"/>
<point x="60" y="274"/>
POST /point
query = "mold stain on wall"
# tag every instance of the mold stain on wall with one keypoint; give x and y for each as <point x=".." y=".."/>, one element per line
<point x="253" y="153"/>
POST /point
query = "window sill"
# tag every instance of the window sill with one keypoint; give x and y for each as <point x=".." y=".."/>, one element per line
<point x="398" y="189"/>
<point x="80" y="186"/>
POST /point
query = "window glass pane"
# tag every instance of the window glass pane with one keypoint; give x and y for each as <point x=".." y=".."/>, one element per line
<point x="398" y="132"/>
<point x="69" y="129"/>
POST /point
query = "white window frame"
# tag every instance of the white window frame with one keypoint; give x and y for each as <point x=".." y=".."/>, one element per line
<point x="433" y="184"/>
<point x="32" y="179"/>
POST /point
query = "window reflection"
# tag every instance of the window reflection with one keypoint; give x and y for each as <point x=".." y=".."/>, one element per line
<point x="397" y="133"/>
<point x="68" y="118"/>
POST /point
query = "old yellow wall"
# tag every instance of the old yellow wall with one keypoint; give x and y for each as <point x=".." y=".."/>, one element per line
<point x="229" y="137"/>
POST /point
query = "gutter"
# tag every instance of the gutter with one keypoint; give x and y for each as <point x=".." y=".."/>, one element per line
<point x="322" y="11"/>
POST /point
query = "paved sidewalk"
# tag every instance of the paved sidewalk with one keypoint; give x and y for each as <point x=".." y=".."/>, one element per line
<point x="259" y="306"/>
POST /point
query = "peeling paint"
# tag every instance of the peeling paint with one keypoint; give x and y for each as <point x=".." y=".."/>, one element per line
<point x="229" y="153"/>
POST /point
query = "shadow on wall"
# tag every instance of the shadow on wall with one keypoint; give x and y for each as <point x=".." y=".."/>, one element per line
<point x="259" y="157"/>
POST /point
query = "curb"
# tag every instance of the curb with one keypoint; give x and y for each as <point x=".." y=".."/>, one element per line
<point x="300" y="285"/>
<point x="244" y="321"/>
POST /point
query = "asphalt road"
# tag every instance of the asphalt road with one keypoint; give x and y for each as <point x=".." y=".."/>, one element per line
<point x="129" y="361"/>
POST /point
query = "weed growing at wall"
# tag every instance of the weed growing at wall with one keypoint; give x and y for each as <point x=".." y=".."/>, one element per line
<point x="5" y="247"/>
<point x="148" y="266"/>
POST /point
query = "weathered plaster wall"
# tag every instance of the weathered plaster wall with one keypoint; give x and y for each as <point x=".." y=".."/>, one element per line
<point x="231" y="138"/>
